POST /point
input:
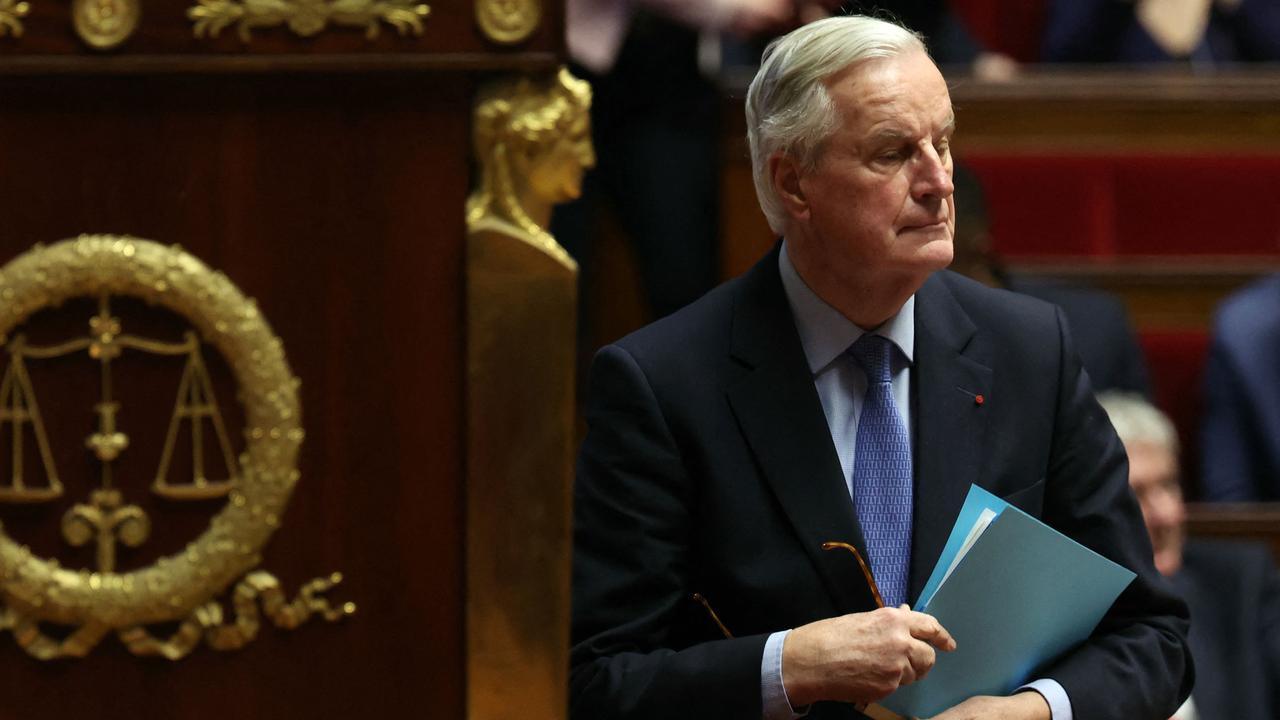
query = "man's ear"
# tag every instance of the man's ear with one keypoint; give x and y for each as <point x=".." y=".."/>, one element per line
<point x="785" y="173"/>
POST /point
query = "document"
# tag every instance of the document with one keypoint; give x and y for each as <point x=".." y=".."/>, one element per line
<point x="1014" y="593"/>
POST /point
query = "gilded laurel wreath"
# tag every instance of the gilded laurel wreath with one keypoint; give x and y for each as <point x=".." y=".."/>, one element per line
<point x="11" y="14"/>
<point x="181" y="587"/>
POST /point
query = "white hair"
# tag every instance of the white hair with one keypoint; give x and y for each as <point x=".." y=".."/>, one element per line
<point x="788" y="107"/>
<point x="1139" y="422"/>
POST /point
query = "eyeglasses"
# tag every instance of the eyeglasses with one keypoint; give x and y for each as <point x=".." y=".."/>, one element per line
<point x="862" y="564"/>
<point x="866" y="570"/>
<point x="873" y="711"/>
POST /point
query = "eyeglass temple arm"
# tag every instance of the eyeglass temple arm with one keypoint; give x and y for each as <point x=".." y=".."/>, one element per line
<point x="866" y="571"/>
<point x="874" y="711"/>
<point x="714" y="618"/>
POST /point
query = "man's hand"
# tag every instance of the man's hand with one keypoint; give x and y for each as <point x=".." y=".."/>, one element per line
<point x="860" y="658"/>
<point x="1027" y="705"/>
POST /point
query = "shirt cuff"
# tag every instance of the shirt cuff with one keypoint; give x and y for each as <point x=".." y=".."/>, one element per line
<point x="777" y="706"/>
<point x="1052" y="692"/>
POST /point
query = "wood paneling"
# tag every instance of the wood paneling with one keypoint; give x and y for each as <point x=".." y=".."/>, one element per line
<point x="1120" y="111"/>
<point x="326" y="177"/>
<point x="1255" y="522"/>
<point x="336" y="201"/>
<point x="1160" y="293"/>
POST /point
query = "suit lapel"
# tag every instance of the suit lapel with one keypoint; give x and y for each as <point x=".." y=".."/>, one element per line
<point x="777" y="407"/>
<point x="949" y="420"/>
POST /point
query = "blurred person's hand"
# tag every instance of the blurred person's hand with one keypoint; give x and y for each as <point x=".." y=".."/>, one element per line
<point x="811" y="10"/>
<point x="751" y="18"/>
<point x="995" y="67"/>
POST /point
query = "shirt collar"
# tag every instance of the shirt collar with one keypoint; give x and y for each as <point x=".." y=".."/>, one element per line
<point x="825" y="333"/>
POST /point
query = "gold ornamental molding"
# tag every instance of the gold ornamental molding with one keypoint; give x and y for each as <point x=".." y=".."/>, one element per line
<point x="507" y="22"/>
<point x="11" y="14"/>
<point x="307" y="18"/>
<point x="532" y="142"/>
<point x="182" y="588"/>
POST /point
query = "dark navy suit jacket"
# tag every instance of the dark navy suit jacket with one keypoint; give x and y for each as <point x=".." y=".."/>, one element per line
<point x="1100" y="31"/>
<point x="1100" y="328"/>
<point x="708" y="467"/>
<point x="1241" y="426"/>
<point x="1233" y="590"/>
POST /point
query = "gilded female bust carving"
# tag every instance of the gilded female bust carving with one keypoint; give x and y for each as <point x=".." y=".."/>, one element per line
<point x="532" y="142"/>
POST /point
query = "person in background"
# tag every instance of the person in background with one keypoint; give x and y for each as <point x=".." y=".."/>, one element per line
<point x="950" y="41"/>
<point x="656" y="128"/>
<point x="1232" y="588"/>
<point x="1240" y="441"/>
<point x="1098" y="321"/>
<point x="951" y="44"/>
<point x="1200" y="32"/>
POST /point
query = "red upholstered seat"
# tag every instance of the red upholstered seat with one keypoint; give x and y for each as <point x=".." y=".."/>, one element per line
<point x="1013" y="27"/>
<point x="1176" y="359"/>
<point x="1105" y="206"/>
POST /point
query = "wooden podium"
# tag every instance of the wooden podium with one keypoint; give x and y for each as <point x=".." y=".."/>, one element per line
<point x="321" y="156"/>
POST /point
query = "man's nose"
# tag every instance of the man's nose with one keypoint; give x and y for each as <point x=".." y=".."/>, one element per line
<point x="933" y="176"/>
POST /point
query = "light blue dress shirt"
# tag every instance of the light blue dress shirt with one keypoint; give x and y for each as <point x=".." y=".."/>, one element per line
<point x="825" y="335"/>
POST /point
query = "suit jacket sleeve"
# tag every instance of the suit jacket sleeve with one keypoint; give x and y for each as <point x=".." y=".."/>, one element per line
<point x="1254" y="614"/>
<point x="1229" y="470"/>
<point x="633" y="520"/>
<point x="1137" y="663"/>
<point x="1257" y="29"/>
<point x="1084" y="30"/>
<point x="1267" y="605"/>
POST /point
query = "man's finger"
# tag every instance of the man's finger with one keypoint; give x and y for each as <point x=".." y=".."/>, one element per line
<point x="922" y="657"/>
<point x="927" y="628"/>
<point x="908" y="675"/>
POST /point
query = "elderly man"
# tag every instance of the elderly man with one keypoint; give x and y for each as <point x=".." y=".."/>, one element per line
<point x="842" y="390"/>
<point x="1233" y="588"/>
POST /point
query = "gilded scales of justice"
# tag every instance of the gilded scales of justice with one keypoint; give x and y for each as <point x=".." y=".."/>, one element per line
<point x="183" y="587"/>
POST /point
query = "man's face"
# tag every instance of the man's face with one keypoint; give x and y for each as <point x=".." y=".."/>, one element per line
<point x="879" y="200"/>
<point x="1153" y="475"/>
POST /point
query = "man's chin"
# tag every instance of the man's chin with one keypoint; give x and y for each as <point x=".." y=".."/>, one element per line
<point x="937" y="255"/>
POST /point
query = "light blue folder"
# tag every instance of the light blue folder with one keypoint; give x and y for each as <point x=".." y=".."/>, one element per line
<point x="1022" y="595"/>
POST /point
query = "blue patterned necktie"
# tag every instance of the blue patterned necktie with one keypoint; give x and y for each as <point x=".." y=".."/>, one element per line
<point x="882" y="473"/>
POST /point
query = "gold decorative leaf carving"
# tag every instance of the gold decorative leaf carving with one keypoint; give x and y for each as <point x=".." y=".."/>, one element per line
<point x="208" y="623"/>
<point x="181" y="587"/>
<point x="307" y="17"/>
<point x="508" y="21"/>
<point x="11" y="14"/>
